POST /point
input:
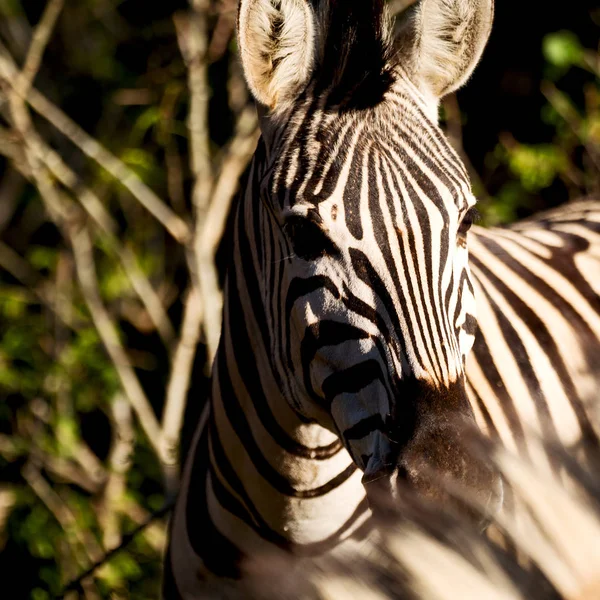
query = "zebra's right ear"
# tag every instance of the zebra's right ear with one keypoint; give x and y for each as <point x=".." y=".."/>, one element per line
<point x="276" y="40"/>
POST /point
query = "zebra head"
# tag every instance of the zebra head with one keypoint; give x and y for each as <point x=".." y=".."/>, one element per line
<point x="363" y="211"/>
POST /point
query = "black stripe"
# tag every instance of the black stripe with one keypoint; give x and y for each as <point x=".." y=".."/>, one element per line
<point x="364" y="428"/>
<point x="240" y="425"/>
<point x="218" y="554"/>
<point x="353" y="379"/>
<point x="297" y="289"/>
<point x="322" y="334"/>
<point x="352" y="194"/>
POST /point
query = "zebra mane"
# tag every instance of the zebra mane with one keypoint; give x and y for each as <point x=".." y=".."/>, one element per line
<point x="356" y="52"/>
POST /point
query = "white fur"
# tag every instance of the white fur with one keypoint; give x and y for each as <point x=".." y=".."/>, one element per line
<point x="277" y="61"/>
<point x="450" y="36"/>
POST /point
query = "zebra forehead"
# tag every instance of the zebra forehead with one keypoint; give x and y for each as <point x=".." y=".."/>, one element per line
<point x="395" y="146"/>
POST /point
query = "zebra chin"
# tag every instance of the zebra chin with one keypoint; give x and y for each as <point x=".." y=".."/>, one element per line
<point x="438" y="465"/>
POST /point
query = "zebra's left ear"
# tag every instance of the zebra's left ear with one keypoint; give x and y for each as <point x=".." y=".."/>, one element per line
<point x="442" y="41"/>
<point x="276" y="40"/>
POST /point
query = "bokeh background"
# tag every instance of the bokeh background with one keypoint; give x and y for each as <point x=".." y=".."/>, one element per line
<point x="121" y="143"/>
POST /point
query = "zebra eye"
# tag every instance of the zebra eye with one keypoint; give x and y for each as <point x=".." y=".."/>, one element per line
<point x="308" y="239"/>
<point x="468" y="220"/>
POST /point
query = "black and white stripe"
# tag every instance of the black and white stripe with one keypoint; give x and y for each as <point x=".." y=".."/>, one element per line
<point x="350" y="312"/>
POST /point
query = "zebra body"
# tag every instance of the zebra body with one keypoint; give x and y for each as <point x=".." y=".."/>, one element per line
<point x="349" y="305"/>
<point x="535" y="366"/>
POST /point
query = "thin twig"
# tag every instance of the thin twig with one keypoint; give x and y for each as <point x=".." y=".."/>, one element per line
<point x="86" y="272"/>
<point x="94" y="150"/>
<point x="39" y="41"/>
<point x="179" y="381"/>
<point x="67" y="177"/>
<point x="68" y="472"/>
<point x="127" y="539"/>
<point x="120" y="463"/>
<point x="147" y="294"/>
<point x="155" y="532"/>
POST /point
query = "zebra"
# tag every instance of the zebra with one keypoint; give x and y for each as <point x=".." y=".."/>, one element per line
<point x="426" y="554"/>
<point x="350" y="309"/>
<point x="535" y="365"/>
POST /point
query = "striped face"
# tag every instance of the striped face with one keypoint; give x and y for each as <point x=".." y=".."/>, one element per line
<point x="365" y="275"/>
<point x="364" y="212"/>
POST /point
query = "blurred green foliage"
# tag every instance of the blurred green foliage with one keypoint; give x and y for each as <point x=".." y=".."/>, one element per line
<point x="563" y="50"/>
<point x="572" y="157"/>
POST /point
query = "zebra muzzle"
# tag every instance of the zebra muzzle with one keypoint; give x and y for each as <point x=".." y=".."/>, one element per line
<point x="438" y="468"/>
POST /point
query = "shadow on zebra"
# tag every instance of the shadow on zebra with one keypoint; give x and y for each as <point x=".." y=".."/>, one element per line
<point x="426" y="552"/>
<point x="363" y="347"/>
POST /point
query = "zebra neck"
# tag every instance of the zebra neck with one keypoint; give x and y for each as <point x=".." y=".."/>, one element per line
<point x="293" y="481"/>
<point x="276" y="479"/>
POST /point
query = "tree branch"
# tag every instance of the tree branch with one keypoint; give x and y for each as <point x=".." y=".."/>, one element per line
<point x="192" y="35"/>
<point x="94" y="150"/>
<point x="93" y="206"/>
<point x="86" y="272"/>
<point x="179" y="382"/>
<point x="120" y="463"/>
<point x="39" y="41"/>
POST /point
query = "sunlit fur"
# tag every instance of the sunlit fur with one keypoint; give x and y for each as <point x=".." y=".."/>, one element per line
<point x="277" y="45"/>
<point x="349" y="315"/>
<point x="426" y="553"/>
<point x="536" y="360"/>
<point x="454" y="38"/>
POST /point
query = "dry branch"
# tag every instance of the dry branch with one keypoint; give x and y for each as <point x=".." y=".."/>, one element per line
<point x="86" y="272"/>
<point x="223" y="30"/>
<point x="192" y="35"/>
<point x="94" y="150"/>
<point x="39" y="41"/>
<point x="179" y="380"/>
<point x="120" y="462"/>
<point x="66" y="471"/>
<point x="235" y="162"/>
<point x="93" y="206"/>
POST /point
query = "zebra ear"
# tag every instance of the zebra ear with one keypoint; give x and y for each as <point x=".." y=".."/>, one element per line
<point x="276" y="39"/>
<point x="445" y="40"/>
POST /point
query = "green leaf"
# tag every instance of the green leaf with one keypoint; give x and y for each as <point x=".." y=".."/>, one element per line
<point x="562" y="49"/>
<point x="537" y="166"/>
<point x="42" y="257"/>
